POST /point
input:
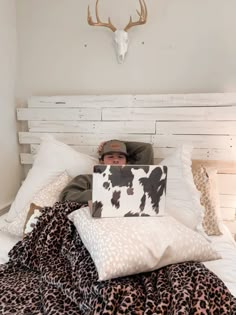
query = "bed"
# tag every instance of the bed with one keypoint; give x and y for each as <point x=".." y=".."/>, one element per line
<point x="81" y="122"/>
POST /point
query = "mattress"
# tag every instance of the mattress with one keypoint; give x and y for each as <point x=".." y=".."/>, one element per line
<point x="224" y="268"/>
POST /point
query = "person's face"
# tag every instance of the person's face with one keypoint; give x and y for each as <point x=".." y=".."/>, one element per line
<point x="114" y="158"/>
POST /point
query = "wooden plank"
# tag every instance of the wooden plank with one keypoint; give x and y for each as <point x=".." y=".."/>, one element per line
<point x="123" y="127"/>
<point x="219" y="154"/>
<point x="198" y="141"/>
<point x="59" y="114"/>
<point x="77" y="138"/>
<point x="228" y="201"/>
<point x="221" y="113"/>
<point x="202" y="155"/>
<point x="153" y="114"/>
<point x="92" y="101"/>
<point x="200" y="99"/>
<point x="81" y="139"/>
<point x="176" y="114"/>
<point x="151" y="100"/>
<point x="92" y="150"/>
<point x="231" y="226"/>
<point x="222" y="166"/>
<point x="159" y="153"/>
<point x="26" y="158"/>
<point x="87" y="149"/>
<point x="228" y="214"/>
<point x="196" y="128"/>
<point x="227" y="184"/>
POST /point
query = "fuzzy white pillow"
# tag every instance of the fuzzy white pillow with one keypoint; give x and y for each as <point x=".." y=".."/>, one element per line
<point x="125" y="246"/>
<point x="47" y="196"/>
<point x="182" y="196"/>
<point x="53" y="158"/>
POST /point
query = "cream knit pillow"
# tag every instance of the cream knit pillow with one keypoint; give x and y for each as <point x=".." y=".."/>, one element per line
<point x="47" y="196"/>
<point x="208" y="201"/>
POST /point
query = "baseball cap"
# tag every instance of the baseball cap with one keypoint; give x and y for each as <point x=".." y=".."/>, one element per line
<point x="114" y="146"/>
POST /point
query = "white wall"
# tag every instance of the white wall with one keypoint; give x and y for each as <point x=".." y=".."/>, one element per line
<point x="186" y="46"/>
<point x="9" y="160"/>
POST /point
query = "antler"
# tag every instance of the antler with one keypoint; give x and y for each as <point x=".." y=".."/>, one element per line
<point x="99" y="23"/>
<point x="142" y="16"/>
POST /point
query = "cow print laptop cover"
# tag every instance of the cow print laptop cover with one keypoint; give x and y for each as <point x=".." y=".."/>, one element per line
<point x="129" y="190"/>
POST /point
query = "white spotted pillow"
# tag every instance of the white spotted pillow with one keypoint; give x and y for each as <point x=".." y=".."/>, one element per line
<point x="125" y="246"/>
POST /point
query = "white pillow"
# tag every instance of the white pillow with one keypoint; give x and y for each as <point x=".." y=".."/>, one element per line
<point x="182" y="196"/>
<point x="126" y="246"/>
<point x="47" y="196"/>
<point x="53" y="158"/>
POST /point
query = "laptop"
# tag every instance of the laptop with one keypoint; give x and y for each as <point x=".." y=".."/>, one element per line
<point x="128" y="190"/>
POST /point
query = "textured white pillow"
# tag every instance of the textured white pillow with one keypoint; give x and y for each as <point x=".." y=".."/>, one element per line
<point x="53" y="158"/>
<point x="47" y="196"/>
<point x="182" y="196"/>
<point x="125" y="246"/>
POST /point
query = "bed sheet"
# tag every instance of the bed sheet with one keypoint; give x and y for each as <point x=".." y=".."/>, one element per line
<point x="7" y="241"/>
<point x="224" y="268"/>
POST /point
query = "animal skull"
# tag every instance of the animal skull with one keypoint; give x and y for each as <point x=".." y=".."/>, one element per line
<point x="121" y="36"/>
<point x="121" y="40"/>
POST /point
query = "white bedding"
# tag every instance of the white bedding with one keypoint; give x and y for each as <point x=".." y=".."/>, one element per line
<point x="7" y="241"/>
<point x="224" y="268"/>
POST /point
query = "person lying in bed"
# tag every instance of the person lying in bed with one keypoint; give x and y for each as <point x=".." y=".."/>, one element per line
<point x="111" y="152"/>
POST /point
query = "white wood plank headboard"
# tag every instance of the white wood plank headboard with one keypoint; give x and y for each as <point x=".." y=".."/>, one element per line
<point x="207" y="121"/>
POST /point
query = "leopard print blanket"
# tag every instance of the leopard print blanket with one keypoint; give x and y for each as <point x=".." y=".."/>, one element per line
<point x="51" y="272"/>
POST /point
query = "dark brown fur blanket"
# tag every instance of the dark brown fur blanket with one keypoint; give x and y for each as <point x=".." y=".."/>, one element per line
<point x="51" y="272"/>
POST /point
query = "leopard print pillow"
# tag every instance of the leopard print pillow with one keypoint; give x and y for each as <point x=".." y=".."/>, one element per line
<point x="203" y="184"/>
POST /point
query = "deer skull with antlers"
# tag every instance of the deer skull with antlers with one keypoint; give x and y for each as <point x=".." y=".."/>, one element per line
<point x="121" y="38"/>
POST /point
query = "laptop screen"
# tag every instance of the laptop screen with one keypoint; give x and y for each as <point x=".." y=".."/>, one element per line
<point x="129" y="190"/>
